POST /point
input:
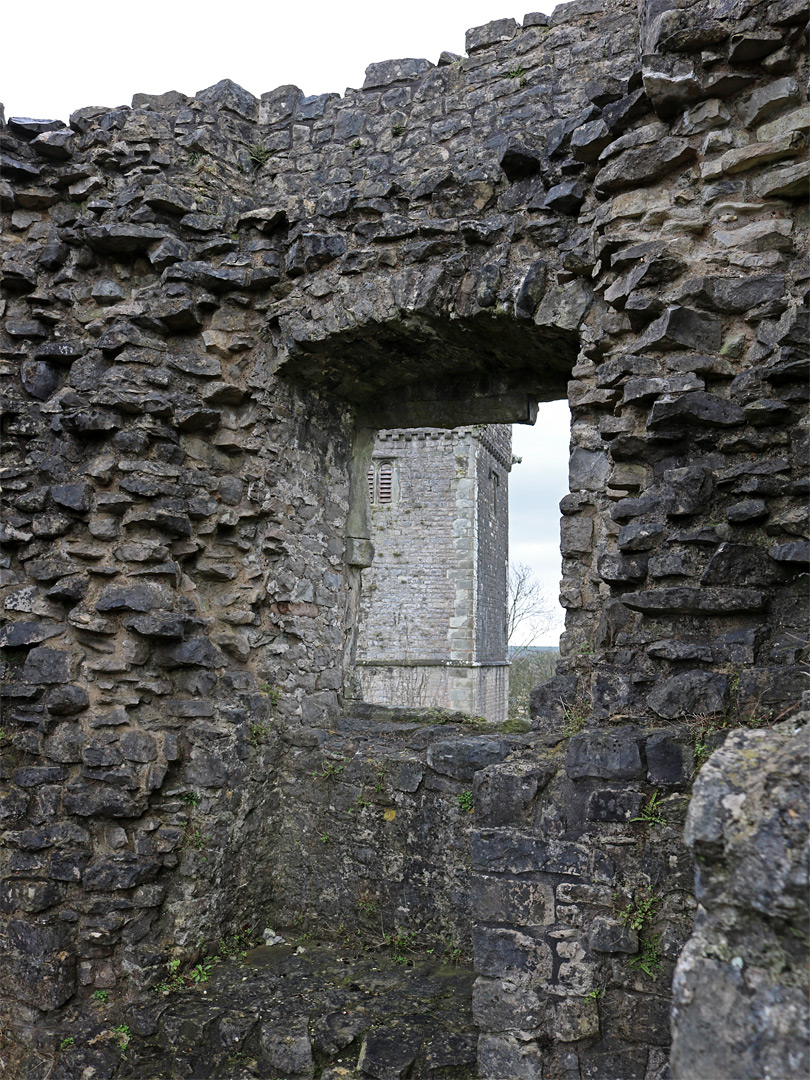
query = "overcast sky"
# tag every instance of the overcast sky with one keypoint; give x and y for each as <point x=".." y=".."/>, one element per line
<point x="60" y="56"/>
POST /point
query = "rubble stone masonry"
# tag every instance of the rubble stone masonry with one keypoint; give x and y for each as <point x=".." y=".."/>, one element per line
<point x="208" y="303"/>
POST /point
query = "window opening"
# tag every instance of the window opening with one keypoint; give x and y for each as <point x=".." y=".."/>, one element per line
<point x="381" y="483"/>
<point x="385" y="484"/>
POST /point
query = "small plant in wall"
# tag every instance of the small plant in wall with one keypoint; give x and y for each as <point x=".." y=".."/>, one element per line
<point x="259" y="155"/>
<point x="258" y="734"/>
<point x="518" y="73"/>
<point x="639" y="915"/>
<point x="195" y="839"/>
<point x="330" y="771"/>
<point x="640" y="911"/>
<point x="200" y="972"/>
<point x="451" y="953"/>
<point x="123" y="1035"/>
<point x="651" y="813"/>
<point x="178" y="979"/>
<point x="380" y="774"/>
<point x="368" y="905"/>
<point x="270" y="692"/>
<point x="650" y="956"/>
<point x="575" y="715"/>
<point x="465" y="801"/>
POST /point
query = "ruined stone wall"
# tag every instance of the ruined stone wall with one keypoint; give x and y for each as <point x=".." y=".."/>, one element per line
<point x="380" y="842"/>
<point x="201" y="296"/>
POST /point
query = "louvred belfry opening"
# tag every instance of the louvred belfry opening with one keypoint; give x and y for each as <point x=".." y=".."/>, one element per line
<point x="385" y="483"/>
<point x="381" y="483"/>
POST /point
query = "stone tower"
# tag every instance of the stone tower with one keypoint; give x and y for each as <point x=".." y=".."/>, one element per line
<point x="434" y="601"/>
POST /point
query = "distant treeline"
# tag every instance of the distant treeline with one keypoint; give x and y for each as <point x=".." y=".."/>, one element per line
<point x="531" y="664"/>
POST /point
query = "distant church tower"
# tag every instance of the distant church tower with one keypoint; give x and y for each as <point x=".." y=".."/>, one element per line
<point x="433" y="614"/>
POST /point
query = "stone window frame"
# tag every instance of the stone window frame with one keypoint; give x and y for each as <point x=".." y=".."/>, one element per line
<point x="383" y="486"/>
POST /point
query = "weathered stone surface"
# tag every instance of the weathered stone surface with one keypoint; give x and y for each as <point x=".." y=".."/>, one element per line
<point x="610" y="805"/>
<point x="44" y="665"/>
<point x="609" y="755"/>
<point x="679" y="327"/>
<point x="462" y="758"/>
<point x="744" y="564"/>
<point x="643" y="166"/>
<point x="132" y="598"/>
<point x="696" y="409"/>
<point x="691" y="693"/>
<point x="18" y="635"/>
<point x="490" y="34"/>
<point x="122" y="239"/>
<point x="738" y="1008"/>
<point x="687" y="600"/>
<point x="611" y="936"/>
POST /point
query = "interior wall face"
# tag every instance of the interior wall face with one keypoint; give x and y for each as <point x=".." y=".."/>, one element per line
<point x="195" y="330"/>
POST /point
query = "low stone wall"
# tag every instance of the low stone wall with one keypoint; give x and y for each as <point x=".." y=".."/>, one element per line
<point x="475" y="689"/>
<point x="375" y="825"/>
<point x="583" y="900"/>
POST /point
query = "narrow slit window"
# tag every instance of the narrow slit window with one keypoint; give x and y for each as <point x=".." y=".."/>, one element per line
<point x="495" y="483"/>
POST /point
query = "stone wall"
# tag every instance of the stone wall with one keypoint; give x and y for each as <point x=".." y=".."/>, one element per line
<point x="742" y="985"/>
<point x="205" y="300"/>
<point x="380" y="841"/>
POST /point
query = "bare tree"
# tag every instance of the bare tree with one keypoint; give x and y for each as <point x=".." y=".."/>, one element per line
<point x="530" y="611"/>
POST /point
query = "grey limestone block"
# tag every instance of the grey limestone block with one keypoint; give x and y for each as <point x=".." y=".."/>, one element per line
<point x="605" y="755"/>
<point x="751" y="883"/>
<point x="491" y="33"/>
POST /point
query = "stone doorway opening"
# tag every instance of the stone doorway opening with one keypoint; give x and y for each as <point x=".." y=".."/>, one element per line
<point x="538" y="483"/>
<point x="427" y="535"/>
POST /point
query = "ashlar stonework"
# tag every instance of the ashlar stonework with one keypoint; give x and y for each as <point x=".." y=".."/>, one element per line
<point x="433" y="601"/>
<point x="209" y="306"/>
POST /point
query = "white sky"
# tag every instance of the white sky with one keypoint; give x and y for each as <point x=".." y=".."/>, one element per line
<point x="535" y="489"/>
<point x="60" y="56"/>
